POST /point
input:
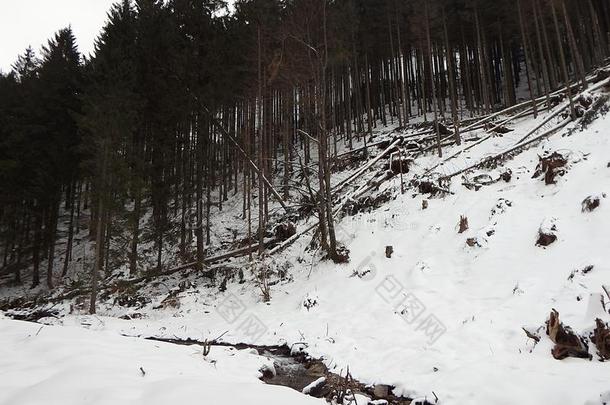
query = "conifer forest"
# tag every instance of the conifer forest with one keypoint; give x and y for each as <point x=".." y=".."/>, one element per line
<point x="366" y="201"/>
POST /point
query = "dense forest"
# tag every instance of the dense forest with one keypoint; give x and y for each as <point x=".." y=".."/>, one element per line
<point x="183" y="105"/>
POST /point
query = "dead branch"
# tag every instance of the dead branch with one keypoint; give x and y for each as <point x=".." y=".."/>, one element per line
<point x="531" y="335"/>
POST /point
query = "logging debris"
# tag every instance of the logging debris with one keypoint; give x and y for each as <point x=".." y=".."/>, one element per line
<point x="444" y="130"/>
<point x="33" y="315"/>
<point x="601" y="339"/>
<point x="599" y="107"/>
<point x="367" y="203"/>
<point x="398" y="166"/>
<point x="583" y="271"/>
<point x="601" y="74"/>
<point x="592" y="202"/>
<point x="497" y="129"/>
<point x="463" y="224"/>
<point x="486" y="179"/>
<point x="534" y="335"/>
<point x="284" y="231"/>
<point x="472" y="242"/>
<point x="427" y="186"/>
<point x="567" y="343"/>
<point x="350" y="161"/>
<point x="551" y="165"/>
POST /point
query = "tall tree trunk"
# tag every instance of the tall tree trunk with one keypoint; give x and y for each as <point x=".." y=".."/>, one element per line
<point x="528" y="70"/>
<point x="452" y="87"/>
<point x="367" y="72"/>
<point x="38" y="221"/>
<point x="564" y="67"/>
<point x="99" y="230"/>
<point x="482" y="62"/>
<point x="51" y="238"/>
<point x="543" y="60"/>
<point x="68" y="255"/>
<point x="433" y="95"/>
<point x="576" y="55"/>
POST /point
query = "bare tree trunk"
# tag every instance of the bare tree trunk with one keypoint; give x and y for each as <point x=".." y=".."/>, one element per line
<point x="466" y="63"/>
<point x="261" y="145"/>
<point x="39" y="214"/>
<point x="99" y="231"/>
<point x="324" y="152"/>
<point x="564" y="67"/>
<point x="286" y="143"/>
<point x="547" y="46"/>
<point x="137" y="207"/>
<point x="543" y="60"/>
<point x="200" y="159"/>
<point x="368" y="96"/>
<point x="482" y="62"/>
<point x="452" y="87"/>
<point x="597" y="32"/>
<point x="433" y="95"/>
<point x="51" y="237"/>
<point x="528" y="68"/>
<point x="68" y="255"/>
<point x="394" y="75"/>
<point x="574" y="48"/>
<point x="403" y="76"/>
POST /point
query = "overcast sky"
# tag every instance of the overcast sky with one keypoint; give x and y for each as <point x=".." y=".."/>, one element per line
<point x="33" y="22"/>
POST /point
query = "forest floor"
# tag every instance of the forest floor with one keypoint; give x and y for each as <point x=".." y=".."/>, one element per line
<point x="441" y="320"/>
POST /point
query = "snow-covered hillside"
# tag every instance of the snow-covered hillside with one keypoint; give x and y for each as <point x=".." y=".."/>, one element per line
<point x="441" y="319"/>
<point x="54" y="365"/>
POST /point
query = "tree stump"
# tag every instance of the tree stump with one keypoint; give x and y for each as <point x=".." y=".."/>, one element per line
<point x="388" y="251"/>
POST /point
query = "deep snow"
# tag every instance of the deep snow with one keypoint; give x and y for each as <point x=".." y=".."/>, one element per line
<point x="65" y="365"/>
<point x="438" y="317"/>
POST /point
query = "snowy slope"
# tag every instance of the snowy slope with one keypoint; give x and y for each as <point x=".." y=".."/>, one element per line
<point x="439" y="317"/>
<point x="483" y="296"/>
<point x="54" y="365"/>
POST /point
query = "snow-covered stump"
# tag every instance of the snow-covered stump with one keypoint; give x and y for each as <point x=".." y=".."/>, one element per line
<point x="592" y="202"/>
<point x="551" y="165"/>
<point x="567" y="342"/>
<point x="601" y="339"/>
<point x="547" y="233"/>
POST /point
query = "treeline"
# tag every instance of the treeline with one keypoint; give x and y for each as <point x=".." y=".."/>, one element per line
<point x="183" y="105"/>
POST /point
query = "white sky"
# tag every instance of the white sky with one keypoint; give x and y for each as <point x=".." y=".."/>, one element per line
<point x="33" y="22"/>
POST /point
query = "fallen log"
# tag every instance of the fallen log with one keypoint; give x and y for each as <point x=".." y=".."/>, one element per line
<point x="236" y="253"/>
<point x="548" y="119"/>
<point x="480" y="141"/>
<point x="499" y="156"/>
<point x="530" y="103"/>
<point x="292" y="239"/>
<point x="476" y="125"/>
<point x="350" y="152"/>
<point x="563" y="107"/>
<point x="366" y="167"/>
<point x="207" y="261"/>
